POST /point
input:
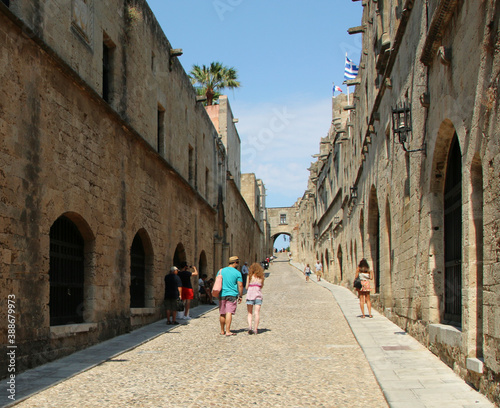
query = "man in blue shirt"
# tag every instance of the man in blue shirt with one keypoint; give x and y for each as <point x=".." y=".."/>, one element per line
<point x="244" y="274"/>
<point x="230" y="295"/>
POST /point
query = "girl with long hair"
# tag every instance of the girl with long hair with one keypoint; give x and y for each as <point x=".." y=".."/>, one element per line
<point x="255" y="284"/>
<point x="307" y="272"/>
<point x="365" y="275"/>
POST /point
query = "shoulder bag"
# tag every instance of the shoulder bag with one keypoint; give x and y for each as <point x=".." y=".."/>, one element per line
<point x="217" y="285"/>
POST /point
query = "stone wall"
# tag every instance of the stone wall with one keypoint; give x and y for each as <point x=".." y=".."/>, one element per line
<point x="253" y="192"/>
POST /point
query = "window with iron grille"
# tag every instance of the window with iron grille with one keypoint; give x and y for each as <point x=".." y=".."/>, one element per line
<point x="283" y="219"/>
<point x="66" y="274"/>
<point x="160" y="137"/>
<point x="191" y="175"/>
<point x="137" y="273"/>
<point x="106" y="72"/>
<point x="453" y="236"/>
<point x="108" y="51"/>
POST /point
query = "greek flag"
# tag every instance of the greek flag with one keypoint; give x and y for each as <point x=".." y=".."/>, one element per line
<point x="351" y="70"/>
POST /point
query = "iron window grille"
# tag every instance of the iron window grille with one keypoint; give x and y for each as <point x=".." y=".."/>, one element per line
<point x="137" y="273"/>
<point x="66" y="273"/>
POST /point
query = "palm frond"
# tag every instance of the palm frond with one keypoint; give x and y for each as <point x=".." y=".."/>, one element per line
<point x="213" y="79"/>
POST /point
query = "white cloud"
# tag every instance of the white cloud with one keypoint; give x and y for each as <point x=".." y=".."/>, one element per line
<point x="277" y="142"/>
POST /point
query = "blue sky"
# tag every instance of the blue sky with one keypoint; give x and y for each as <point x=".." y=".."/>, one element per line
<point x="287" y="53"/>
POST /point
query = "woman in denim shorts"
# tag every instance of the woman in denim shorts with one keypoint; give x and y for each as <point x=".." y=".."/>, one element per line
<point x="254" y="295"/>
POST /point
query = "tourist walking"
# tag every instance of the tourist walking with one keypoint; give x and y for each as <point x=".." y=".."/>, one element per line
<point x="254" y="296"/>
<point x="244" y="274"/>
<point x="319" y="270"/>
<point x="187" y="287"/>
<point x="307" y="272"/>
<point x="365" y="275"/>
<point x="230" y="295"/>
<point x="173" y="290"/>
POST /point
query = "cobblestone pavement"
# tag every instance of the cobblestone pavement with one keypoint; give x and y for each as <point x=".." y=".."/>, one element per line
<point x="305" y="355"/>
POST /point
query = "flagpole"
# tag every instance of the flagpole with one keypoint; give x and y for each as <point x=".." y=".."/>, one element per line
<point x="348" y="103"/>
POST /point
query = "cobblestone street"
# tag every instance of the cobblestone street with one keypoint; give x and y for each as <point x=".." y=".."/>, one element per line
<point x="305" y="355"/>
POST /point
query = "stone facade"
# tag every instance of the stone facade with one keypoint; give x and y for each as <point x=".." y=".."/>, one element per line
<point x="107" y="163"/>
<point x="224" y="121"/>
<point x="420" y="199"/>
<point x="253" y="191"/>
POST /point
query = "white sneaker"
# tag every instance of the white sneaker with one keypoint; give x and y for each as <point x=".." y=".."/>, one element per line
<point x="187" y="318"/>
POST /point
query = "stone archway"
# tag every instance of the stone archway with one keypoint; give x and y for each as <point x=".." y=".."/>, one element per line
<point x="282" y="220"/>
<point x="275" y="237"/>
<point x="85" y="306"/>
<point x="440" y="155"/>
<point x="386" y="254"/>
<point x="179" y="255"/>
<point x="374" y="236"/>
<point x="202" y="263"/>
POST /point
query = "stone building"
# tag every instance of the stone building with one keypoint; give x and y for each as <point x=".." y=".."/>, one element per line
<point x="282" y="221"/>
<point x="254" y="193"/>
<point x="111" y="171"/>
<point x="412" y="181"/>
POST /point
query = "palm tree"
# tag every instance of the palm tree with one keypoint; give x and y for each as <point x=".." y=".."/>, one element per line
<point x="211" y="80"/>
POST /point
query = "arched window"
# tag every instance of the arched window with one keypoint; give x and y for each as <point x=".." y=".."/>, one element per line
<point x="66" y="273"/>
<point x="137" y="273"/>
<point x="453" y="236"/>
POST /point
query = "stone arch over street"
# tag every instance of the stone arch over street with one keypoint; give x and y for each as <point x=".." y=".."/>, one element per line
<point x="282" y="220"/>
<point x="275" y="237"/>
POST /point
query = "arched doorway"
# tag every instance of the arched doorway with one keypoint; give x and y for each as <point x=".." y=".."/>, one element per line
<point x="66" y="273"/>
<point x="202" y="263"/>
<point x="179" y="255"/>
<point x="387" y="257"/>
<point x="453" y="236"/>
<point x="362" y="232"/>
<point x="341" y="266"/>
<point x="326" y="266"/>
<point x="374" y="236"/>
<point x="137" y="273"/>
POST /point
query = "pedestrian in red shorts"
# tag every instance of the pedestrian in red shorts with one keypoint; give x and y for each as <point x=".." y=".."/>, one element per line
<point x="187" y="287"/>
